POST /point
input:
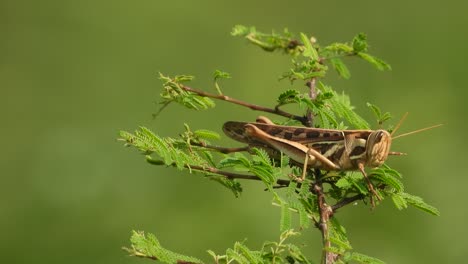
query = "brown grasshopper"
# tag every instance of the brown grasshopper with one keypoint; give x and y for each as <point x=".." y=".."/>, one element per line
<point x="325" y="149"/>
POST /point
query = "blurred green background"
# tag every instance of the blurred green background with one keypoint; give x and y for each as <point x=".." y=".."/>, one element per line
<point x="74" y="73"/>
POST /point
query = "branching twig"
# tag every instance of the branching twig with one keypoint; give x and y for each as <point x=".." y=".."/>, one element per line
<point x="346" y="201"/>
<point x="227" y="174"/>
<point x="325" y="212"/>
<point x="233" y="175"/>
<point x="226" y="98"/>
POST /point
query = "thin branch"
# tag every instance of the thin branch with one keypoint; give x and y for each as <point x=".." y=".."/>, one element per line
<point x="233" y="175"/>
<point x="313" y="96"/>
<point x="254" y="107"/>
<point x="346" y="201"/>
<point x="227" y="174"/>
<point x="165" y="104"/>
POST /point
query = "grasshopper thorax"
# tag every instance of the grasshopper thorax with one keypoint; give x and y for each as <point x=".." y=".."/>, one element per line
<point x="378" y="146"/>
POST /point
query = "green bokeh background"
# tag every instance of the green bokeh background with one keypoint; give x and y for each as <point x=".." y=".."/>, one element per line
<point x="74" y="73"/>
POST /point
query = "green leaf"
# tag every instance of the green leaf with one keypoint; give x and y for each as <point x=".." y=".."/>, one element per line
<point x="264" y="173"/>
<point x="148" y="142"/>
<point x="183" y="78"/>
<point x="387" y="178"/>
<point x="231" y="184"/>
<point x="339" y="233"/>
<point x="251" y="256"/>
<point x="240" y="30"/>
<point x="175" y="91"/>
<point x="309" y="50"/>
<point x="206" y="134"/>
<point x="169" y="151"/>
<point x="237" y="256"/>
<point x="304" y="220"/>
<point x="399" y="201"/>
<point x="378" y="113"/>
<point x="285" y="222"/>
<point x="361" y="258"/>
<point x="291" y="189"/>
<point x="340" y="67"/>
<point x="375" y="109"/>
<point x="221" y="75"/>
<point x="260" y="155"/>
<point x="260" y="165"/>
<point x="327" y="118"/>
<point x="148" y="246"/>
<point x="386" y="116"/>
<point x="288" y="96"/>
<point x="229" y="162"/>
<point x="313" y="74"/>
<point x="357" y="180"/>
<point x="336" y="250"/>
<point x="391" y="171"/>
<point x="340" y="105"/>
<point x="268" y="42"/>
<point x="305" y="188"/>
<point x="284" y="162"/>
<point x="305" y="70"/>
<point x="212" y="254"/>
<point x="343" y="183"/>
<point x="243" y="159"/>
<point x="418" y="202"/>
<point x="271" y="252"/>
<point x="360" y="43"/>
<point x="341" y="245"/>
<point x="378" y="63"/>
<point x="209" y="157"/>
<point x="296" y="254"/>
<point x="339" y="48"/>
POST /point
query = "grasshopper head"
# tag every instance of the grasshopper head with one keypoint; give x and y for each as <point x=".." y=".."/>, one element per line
<point x="378" y="146"/>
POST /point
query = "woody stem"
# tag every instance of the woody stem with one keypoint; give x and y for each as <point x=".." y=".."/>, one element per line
<point x="313" y="95"/>
<point x="325" y="210"/>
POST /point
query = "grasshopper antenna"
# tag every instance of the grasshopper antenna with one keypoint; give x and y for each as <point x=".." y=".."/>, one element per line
<point x="416" y="131"/>
<point x="406" y="134"/>
<point x="399" y="124"/>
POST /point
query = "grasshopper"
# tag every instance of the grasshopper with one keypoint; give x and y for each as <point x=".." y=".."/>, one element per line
<point x="325" y="149"/>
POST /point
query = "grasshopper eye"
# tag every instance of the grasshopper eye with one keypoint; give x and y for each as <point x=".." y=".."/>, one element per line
<point x="380" y="134"/>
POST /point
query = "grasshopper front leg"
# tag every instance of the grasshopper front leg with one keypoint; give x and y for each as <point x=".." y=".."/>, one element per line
<point x="369" y="185"/>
